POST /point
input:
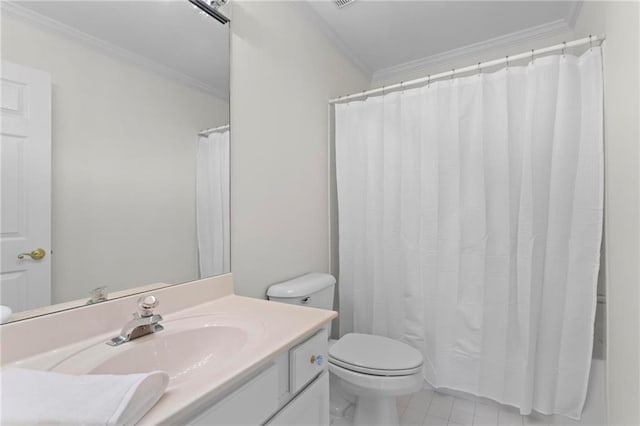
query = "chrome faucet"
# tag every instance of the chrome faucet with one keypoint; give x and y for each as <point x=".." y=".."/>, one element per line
<point x="144" y="322"/>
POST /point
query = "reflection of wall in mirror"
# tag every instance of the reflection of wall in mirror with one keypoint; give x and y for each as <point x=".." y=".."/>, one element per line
<point x="124" y="148"/>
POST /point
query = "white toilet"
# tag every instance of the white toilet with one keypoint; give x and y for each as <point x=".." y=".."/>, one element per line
<point x="373" y="369"/>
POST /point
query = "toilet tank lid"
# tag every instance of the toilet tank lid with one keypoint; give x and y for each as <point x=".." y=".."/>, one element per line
<point x="304" y="285"/>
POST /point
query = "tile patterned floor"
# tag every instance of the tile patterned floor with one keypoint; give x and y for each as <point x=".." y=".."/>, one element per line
<point x="431" y="408"/>
<point x="428" y="407"/>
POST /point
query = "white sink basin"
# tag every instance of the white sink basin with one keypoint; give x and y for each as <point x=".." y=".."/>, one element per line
<point x="186" y="349"/>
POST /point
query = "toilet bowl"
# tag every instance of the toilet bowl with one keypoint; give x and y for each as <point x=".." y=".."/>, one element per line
<point x="340" y="400"/>
<point x="371" y="370"/>
<point x="376" y="370"/>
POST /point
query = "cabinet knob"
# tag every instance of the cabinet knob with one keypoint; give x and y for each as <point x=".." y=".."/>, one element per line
<point x="316" y="359"/>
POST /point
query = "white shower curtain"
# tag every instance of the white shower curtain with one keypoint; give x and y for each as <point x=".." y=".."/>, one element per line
<point x="470" y="221"/>
<point x="212" y="212"/>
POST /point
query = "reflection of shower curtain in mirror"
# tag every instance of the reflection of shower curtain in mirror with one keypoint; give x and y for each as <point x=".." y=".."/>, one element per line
<point x="213" y="204"/>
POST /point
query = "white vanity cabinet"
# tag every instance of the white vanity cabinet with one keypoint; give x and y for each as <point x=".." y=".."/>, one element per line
<point x="310" y="407"/>
<point x="292" y="390"/>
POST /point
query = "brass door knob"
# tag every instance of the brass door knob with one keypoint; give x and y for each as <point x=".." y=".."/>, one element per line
<point x="37" y="254"/>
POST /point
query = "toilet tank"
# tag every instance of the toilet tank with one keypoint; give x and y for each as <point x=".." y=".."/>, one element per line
<point x="314" y="289"/>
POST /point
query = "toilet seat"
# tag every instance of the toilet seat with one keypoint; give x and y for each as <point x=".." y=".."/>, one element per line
<point x="377" y="386"/>
<point x="375" y="355"/>
<point x="373" y="371"/>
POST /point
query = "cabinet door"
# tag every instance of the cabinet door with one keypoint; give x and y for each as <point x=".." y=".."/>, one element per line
<point x="250" y="404"/>
<point x="310" y="407"/>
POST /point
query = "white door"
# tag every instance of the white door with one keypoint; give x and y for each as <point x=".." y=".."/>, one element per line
<point x="25" y="209"/>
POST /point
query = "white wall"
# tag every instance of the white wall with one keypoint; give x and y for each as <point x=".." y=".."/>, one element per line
<point x="124" y="149"/>
<point x="283" y="72"/>
<point x="620" y="22"/>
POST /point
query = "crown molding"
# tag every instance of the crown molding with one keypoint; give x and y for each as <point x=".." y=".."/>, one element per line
<point x="574" y="11"/>
<point x="44" y="22"/>
<point x="505" y="41"/>
<point x="334" y="38"/>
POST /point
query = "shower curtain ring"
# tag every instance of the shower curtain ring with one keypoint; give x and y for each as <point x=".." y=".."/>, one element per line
<point x="479" y="70"/>
<point x="564" y="48"/>
<point x="507" y="58"/>
<point x="532" y="55"/>
<point x="453" y="73"/>
<point x="428" y="81"/>
<point x="590" y="43"/>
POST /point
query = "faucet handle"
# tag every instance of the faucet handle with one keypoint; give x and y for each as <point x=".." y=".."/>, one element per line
<point x="147" y="304"/>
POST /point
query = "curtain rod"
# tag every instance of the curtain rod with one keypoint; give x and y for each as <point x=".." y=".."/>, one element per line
<point x="480" y="65"/>
<point x="207" y="132"/>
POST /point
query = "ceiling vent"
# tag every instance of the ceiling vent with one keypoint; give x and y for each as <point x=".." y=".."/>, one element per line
<point x="343" y="3"/>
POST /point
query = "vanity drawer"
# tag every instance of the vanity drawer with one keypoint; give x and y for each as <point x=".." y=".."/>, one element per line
<point x="307" y="360"/>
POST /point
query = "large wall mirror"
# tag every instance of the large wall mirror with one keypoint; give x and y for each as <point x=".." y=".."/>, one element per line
<point x="115" y="150"/>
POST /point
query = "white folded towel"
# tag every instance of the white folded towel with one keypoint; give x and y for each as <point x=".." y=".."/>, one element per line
<point x="5" y="313"/>
<point x="30" y="396"/>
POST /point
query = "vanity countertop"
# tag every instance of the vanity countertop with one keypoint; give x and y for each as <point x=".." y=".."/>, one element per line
<point x="283" y="325"/>
<point x="278" y="327"/>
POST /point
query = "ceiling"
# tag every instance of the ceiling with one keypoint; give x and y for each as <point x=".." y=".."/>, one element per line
<point x="381" y="35"/>
<point x="172" y="37"/>
<point x="378" y="35"/>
